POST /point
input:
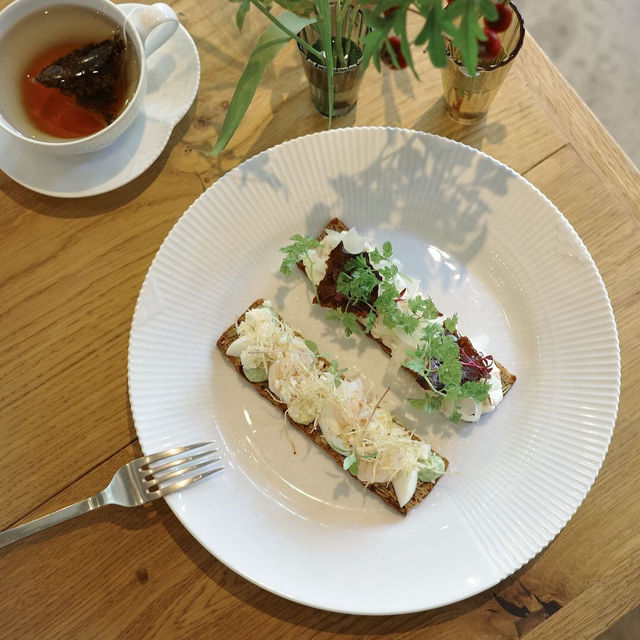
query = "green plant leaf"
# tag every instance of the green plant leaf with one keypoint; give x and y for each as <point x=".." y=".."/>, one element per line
<point x="375" y="39"/>
<point x="324" y="28"/>
<point x="489" y="10"/>
<point x="400" y="27"/>
<point x="467" y="35"/>
<point x="300" y="7"/>
<point x="432" y="33"/>
<point x="268" y="46"/>
<point x="241" y="14"/>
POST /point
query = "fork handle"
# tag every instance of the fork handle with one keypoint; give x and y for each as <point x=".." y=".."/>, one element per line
<point x="39" y="524"/>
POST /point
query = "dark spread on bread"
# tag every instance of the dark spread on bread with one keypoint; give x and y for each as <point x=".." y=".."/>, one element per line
<point x="328" y="294"/>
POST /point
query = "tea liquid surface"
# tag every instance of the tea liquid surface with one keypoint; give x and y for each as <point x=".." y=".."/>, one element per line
<point x="57" y="114"/>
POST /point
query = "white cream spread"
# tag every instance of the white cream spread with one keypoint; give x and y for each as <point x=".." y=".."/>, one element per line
<point x="398" y="340"/>
<point x="344" y="409"/>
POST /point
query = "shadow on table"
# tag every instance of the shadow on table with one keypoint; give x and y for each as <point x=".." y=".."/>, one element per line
<point x="102" y="203"/>
<point x="496" y="600"/>
<point x="435" y="119"/>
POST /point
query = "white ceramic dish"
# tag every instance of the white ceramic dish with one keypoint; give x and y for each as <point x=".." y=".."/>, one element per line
<point x="485" y="243"/>
<point x="173" y="79"/>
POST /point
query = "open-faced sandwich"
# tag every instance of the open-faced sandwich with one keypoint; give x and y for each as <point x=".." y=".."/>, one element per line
<point x="365" y="289"/>
<point x="336" y="408"/>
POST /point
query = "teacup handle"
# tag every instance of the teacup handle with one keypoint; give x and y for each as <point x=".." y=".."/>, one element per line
<point x="155" y="24"/>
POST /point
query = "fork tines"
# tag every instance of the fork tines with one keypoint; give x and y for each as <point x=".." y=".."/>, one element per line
<point x="174" y="469"/>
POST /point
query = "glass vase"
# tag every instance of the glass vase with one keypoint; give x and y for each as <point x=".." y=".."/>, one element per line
<point x="467" y="98"/>
<point x="347" y="62"/>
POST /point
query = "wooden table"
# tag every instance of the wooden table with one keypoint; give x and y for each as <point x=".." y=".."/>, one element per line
<point x="70" y="275"/>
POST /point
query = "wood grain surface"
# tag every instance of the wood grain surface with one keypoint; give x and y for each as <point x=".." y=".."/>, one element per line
<point x="70" y="275"/>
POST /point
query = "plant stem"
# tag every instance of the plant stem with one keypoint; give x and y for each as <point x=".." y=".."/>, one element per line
<point x="352" y="20"/>
<point x="300" y="41"/>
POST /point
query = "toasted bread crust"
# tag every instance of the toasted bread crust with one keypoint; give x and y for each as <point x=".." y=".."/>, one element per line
<point x="507" y="378"/>
<point x="384" y="491"/>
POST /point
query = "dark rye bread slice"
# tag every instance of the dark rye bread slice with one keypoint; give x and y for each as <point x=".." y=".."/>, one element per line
<point x="383" y="490"/>
<point x="508" y="379"/>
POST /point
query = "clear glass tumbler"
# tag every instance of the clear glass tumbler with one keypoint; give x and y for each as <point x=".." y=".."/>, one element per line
<point x="347" y="56"/>
<point x="467" y="98"/>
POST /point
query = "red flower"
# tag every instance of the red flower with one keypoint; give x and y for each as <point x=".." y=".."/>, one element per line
<point x="395" y="43"/>
<point x="491" y="47"/>
<point x="505" y="16"/>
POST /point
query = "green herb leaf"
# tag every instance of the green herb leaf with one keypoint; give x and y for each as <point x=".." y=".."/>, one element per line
<point x="451" y="323"/>
<point x="311" y="345"/>
<point x="425" y="308"/>
<point x="476" y="389"/>
<point x="336" y="372"/>
<point x="351" y="463"/>
<point x="266" y="49"/>
<point x="296" y="251"/>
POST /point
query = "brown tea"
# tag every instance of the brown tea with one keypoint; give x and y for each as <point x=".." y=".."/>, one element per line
<point x="76" y="81"/>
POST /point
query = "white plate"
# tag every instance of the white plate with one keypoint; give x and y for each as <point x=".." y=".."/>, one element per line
<point x="174" y="76"/>
<point x="485" y="243"/>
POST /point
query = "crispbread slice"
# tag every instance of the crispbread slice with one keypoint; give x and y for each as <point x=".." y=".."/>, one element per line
<point x="385" y="491"/>
<point x="508" y="379"/>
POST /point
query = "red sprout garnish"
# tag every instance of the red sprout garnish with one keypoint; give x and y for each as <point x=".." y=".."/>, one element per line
<point x="483" y="367"/>
<point x="400" y="298"/>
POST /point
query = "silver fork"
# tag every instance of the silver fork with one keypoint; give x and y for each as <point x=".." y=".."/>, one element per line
<point x="142" y="480"/>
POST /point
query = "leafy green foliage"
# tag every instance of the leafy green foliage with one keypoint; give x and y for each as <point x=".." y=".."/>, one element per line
<point x="296" y="251"/>
<point x="266" y="49"/>
<point x="465" y="37"/>
<point x="459" y="22"/>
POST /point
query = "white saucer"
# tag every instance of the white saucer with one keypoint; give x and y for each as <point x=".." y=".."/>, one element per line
<point x="173" y="78"/>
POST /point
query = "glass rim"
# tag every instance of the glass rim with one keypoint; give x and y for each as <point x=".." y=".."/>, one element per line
<point x="509" y="58"/>
<point x="318" y="65"/>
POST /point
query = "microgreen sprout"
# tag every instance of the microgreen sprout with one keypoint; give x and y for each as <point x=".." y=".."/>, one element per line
<point x="333" y="367"/>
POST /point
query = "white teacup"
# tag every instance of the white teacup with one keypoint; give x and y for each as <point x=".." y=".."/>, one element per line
<point x="145" y="30"/>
